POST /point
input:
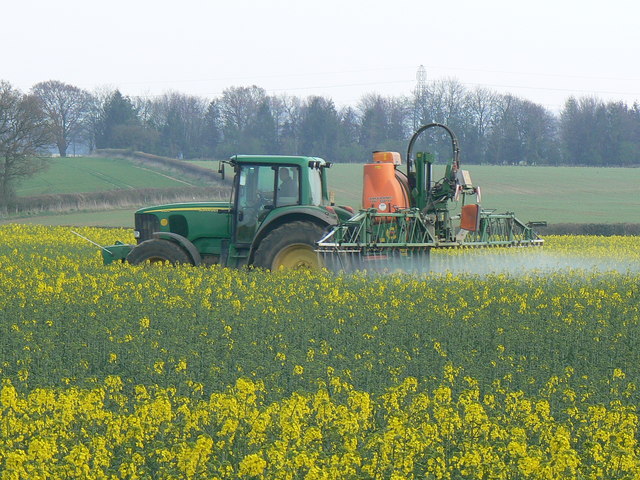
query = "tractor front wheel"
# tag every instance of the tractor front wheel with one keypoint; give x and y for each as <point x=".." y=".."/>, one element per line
<point x="290" y="247"/>
<point x="157" y="250"/>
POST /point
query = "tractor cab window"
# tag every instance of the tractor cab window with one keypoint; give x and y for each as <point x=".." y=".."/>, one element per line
<point x="288" y="192"/>
<point x="255" y="198"/>
<point x="315" y="186"/>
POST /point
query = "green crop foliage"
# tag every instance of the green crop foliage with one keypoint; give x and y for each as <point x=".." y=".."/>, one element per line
<point x="138" y="372"/>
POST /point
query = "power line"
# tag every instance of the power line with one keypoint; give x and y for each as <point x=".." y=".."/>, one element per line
<point x="550" y="89"/>
<point x="310" y="87"/>
<point x="407" y="81"/>
<point x="251" y="77"/>
<point x="473" y="84"/>
<point x="538" y="74"/>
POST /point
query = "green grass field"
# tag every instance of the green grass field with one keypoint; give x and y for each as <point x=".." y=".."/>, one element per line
<point x="109" y="218"/>
<point x="554" y="194"/>
<point x="94" y="174"/>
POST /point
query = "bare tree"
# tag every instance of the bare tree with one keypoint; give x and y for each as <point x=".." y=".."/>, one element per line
<point x="238" y="110"/>
<point x="239" y="106"/>
<point x="182" y="121"/>
<point x="23" y="135"/>
<point x="375" y="122"/>
<point x="453" y="93"/>
<point x="287" y="111"/>
<point x="399" y="112"/>
<point x="147" y="108"/>
<point x="480" y="107"/>
<point x="66" y="108"/>
<point x="94" y="123"/>
<point x="385" y="121"/>
<point x="523" y="132"/>
<point x="319" y="127"/>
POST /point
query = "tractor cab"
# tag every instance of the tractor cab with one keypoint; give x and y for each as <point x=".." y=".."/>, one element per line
<point x="266" y="186"/>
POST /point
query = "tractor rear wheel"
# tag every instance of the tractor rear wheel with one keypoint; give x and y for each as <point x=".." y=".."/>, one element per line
<point x="157" y="250"/>
<point x="290" y="247"/>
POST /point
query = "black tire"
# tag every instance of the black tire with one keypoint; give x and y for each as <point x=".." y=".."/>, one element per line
<point x="157" y="250"/>
<point x="290" y="246"/>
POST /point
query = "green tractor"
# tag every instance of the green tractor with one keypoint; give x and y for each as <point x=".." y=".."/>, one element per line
<point x="280" y="208"/>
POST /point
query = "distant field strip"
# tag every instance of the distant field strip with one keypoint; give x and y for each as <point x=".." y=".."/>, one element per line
<point x="95" y="174"/>
<point x="116" y="182"/>
<point x="554" y="194"/>
<point x="165" y="175"/>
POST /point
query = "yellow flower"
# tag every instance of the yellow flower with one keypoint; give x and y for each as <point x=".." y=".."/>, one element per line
<point x="252" y="465"/>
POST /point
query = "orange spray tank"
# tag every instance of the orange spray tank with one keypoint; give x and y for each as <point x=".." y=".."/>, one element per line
<point x="384" y="187"/>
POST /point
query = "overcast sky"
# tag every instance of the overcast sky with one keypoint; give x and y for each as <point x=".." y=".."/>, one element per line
<point x="542" y="50"/>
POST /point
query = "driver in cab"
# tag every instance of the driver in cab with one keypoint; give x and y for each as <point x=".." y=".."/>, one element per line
<point x="288" y="186"/>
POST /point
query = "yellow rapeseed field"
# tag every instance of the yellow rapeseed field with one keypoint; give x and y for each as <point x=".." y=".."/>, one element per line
<point x="506" y="364"/>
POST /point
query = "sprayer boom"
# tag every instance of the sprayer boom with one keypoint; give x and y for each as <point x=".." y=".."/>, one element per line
<point x="404" y="216"/>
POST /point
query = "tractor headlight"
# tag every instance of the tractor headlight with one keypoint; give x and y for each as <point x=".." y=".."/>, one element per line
<point x="136" y="234"/>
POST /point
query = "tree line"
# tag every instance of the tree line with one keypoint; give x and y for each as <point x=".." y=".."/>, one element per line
<point x="492" y="128"/>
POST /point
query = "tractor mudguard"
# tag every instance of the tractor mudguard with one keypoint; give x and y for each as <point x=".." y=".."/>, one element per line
<point x="183" y="242"/>
<point x="285" y="215"/>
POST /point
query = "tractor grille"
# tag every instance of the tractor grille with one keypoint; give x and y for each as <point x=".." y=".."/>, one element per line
<point x="146" y="224"/>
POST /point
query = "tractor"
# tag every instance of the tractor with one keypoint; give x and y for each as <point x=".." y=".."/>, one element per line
<point x="279" y="209"/>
